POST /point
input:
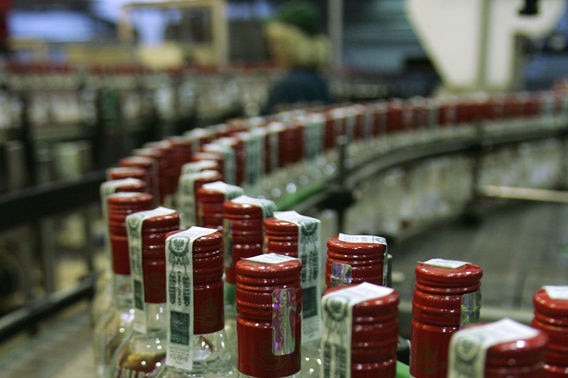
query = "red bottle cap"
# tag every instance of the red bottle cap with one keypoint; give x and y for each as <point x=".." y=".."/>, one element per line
<point x="438" y="276"/>
<point x="364" y="259"/>
<point x="374" y="335"/>
<point x="208" y="308"/>
<point x="280" y="236"/>
<point x="161" y="153"/>
<point x="120" y="205"/>
<point x="210" y="199"/>
<point x="117" y="173"/>
<point x="269" y="301"/>
<point x="551" y="317"/>
<point x="243" y="230"/>
<point x="149" y="166"/>
<point x="446" y="297"/>
<point x="154" y="231"/>
<point x="210" y="156"/>
<point x="181" y="150"/>
<point x="500" y="349"/>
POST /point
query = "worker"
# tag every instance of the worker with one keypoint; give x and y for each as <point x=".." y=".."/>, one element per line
<point x="297" y="45"/>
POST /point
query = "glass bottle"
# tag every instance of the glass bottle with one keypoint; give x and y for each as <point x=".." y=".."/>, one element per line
<point x="446" y="298"/>
<point x="243" y="236"/>
<point x="150" y="166"/>
<point x="162" y="169"/>
<point x="551" y="317"/>
<point x="210" y="198"/>
<point x="102" y="300"/>
<point x="501" y="349"/>
<point x="243" y="230"/>
<point x="360" y="334"/>
<point x="269" y="304"/>
<point x="117" y="173"/>
<point x="187" y="191"/>
<point x="143" y="350"/>
<point x="353" y="259"/>
<point x="115" y="321"/>
<point x="197" y="344"/>
<point x="291" y="234"/>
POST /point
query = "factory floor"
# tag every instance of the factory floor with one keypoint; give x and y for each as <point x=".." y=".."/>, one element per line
<point x="520" y="248"/>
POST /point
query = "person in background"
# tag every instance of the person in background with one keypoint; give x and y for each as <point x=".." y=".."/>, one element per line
<point x="297" y="45"/>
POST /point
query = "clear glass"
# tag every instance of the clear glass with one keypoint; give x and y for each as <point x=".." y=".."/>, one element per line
<point x="113" y="325"/>
<point x="102" y="300"/>
<point x="231" y="321"/>
<point x="211" y="359"/>
<point x="311" y="359"/>
<point x="143" y="354"/>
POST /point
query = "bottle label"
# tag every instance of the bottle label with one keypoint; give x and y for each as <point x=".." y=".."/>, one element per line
<point x="274" y="131"/>
<point x="254" y="159"/>
<point x="229" y="161"/>
<point x="283" y="321"/>
<point x="186" y="197"/>
<point x="270" y="258"/>
<point x="470" y="308"/>
<point x="313" y="136"/>
<point x="468" y="347"/>
<point x="134" y="224"/>
<point x="109" y="187"/>
<point x="231" y="191"/>
<point x="338" y="326"/>
<point x="179" y="272"/>
<point x="309" y="252"/>
<point x="559" y="293"/>
<point x="228" y="243"/>
<point x="197" y="166"/>
<point x="268" y="207"/>
<point x="367" y="239"/>
<point x="446" y="264"/>
<point x="341" y="274"/>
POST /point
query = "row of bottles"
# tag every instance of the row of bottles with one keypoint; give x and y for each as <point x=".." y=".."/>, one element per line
<point x="171" y="281"/>
<point x="210" y="281"/>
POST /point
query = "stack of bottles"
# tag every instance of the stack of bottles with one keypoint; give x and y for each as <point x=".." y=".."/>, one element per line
<point x="209" y="279"/>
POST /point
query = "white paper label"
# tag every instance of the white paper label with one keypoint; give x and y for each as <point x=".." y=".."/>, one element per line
<point x="198" y="166"/>
<point x="313" y="137"/>
<point x="270" y="258"/>
<point x="254" y="159"/>
<point x="268" y="207"/>
<point x="309" y="253"/>
<point x="231" y="191"/>
<point x="186" y="197"/>
<point x="229" y="160"/>
<point x="179" y="273"/>
<point x="468" y="347"/>
<point x="559" y="293"/>
<point x="444" y="263"/>
<point x="274" y="130"/>
<point x="134" y="224"/>
<point x="369" y="239"/>
<point x="338" y="326"/>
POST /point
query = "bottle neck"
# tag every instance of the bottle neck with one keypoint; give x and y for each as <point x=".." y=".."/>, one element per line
<point x="156" y="317"/>
<point x="122" y="291"/>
